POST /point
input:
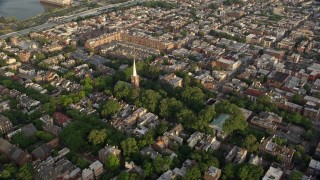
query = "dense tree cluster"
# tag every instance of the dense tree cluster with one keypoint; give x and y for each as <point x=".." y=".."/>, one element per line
<point x="264" y="103"/>
<point x="129" y="146"/>
<point x="109" y="108"/>
<point x="22" y="140"/>
<point x="236" y="121"/>
<point x="78" y="160"/>
<point x="226" y="36"/>
<point x="159" y="3"/>
<point x="242" y="171"/>
<point x="10" y="171"/>
<point x="11" y="84"/>
<point x="75" y="135"/>
<point x="112" y="163"/>
<point x="231" y="2"/>
<point x="97" y="136"/>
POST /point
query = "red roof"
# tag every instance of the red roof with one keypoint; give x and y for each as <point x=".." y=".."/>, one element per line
<point x="253" y="92"/>
<point x="60" y="118"/>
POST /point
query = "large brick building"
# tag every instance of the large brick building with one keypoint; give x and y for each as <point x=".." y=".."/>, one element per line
<point x="129" y="37"/>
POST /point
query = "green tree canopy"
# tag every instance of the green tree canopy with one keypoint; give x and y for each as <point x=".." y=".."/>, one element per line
<point x="205" y="160"/>
<point x="169" y="107"/>
<point x="250" y="172"/>
<point x="129" y="176"/>
<point x="112" y="163"/>
<point x="110" y="108"/>
<point x="193" y="173"/>
<point x="297" y="98"/>
<point x="44" y="136"/>
<point x="236" y="121"/>
<point x="129" y="146"/>
<point x="161" y="164"/>
<point x="150" y="100"/>
<point x="296" y="175"/>
<point x="251" y="143"/>
<point x="22" y="140"/>
<point x="72" y="137"/>
<point x="204" y="117"/>
<point x="74" y="141"/>
<point x="193" y="97"/>
<point x="26" y="172"/>
<point x="186" y="117"/>
<point x="97" y="136"/>
<point x="243" y="171"/>
<point x="122" y="90"/>
<point x="9" y="172"/>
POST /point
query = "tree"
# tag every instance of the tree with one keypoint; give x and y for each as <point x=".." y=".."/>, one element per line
<point x="129" y="146"/>
<point x="121" y="90"/>
<point x="251" y="143"/>
<point x="22" y="140"/>
<point x="148" y="168"/>
<point x="97" y="136"/>
<point x="236" y="120"/>
<point x="280" y="141"/>
<point x="162" y="128"/>
<point x="5" y="174"/>
<point x="87" y="87"/>
<point x="40" y="56"/>
<point x="264" y="99"/>
<point x="242" y="171"/>
<point x="161" y="164"/>
<point x="102" y="83"/>
<point x="112" y="163"/>
<point x="129" y="176"/>
<point x="26" y="172"/>
<point x="72" y="137"/>
<point x="204" y="117"/>
<point x="205" y="160"/>
<point x="110" y="108"/>
<point x="229" y="172"/>
<point x="231" y="2"/>
<point x="146" y="139"/>
<point x="49" y="107"/>
<point x="150" y="100"/>
<point x="250" y="172"/>
<point x="123" y="176"/>
<point x="169" y="107"/>
<point x="296" y="98"/>
<point x="296" y="175"/>
<point x="193" y="173"/>
<point x="65" y="100"/>
<point x="44" y="136"/>
<point x="308" y="135"/>
<point x="186" y="117"/>
<point x="193" y="97"/>
<point x="307" y="87"/>
<point x="9" y="172"/>
<point x="185" y="151"/>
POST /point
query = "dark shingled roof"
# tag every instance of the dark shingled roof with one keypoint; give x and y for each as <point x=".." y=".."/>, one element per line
<point x="42" y="151"/>
<point x="13" y="152"/>
<point x="280" y="77"/>
<point x="5" y="146"/>
<point x="29" y="130"/>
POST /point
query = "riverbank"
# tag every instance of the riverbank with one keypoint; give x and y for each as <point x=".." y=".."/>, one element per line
<point x="11" y="24"/>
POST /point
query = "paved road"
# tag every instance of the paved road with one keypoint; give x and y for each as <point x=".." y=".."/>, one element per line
<point x="91" y="12"/>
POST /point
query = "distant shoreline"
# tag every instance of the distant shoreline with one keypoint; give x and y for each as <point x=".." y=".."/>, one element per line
<point x="23" y="10"/>
<point x="50" y="2"/>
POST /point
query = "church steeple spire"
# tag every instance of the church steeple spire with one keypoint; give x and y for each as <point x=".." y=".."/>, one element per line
<point x="134" y="68"/>
<point x="135" y="81"/>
